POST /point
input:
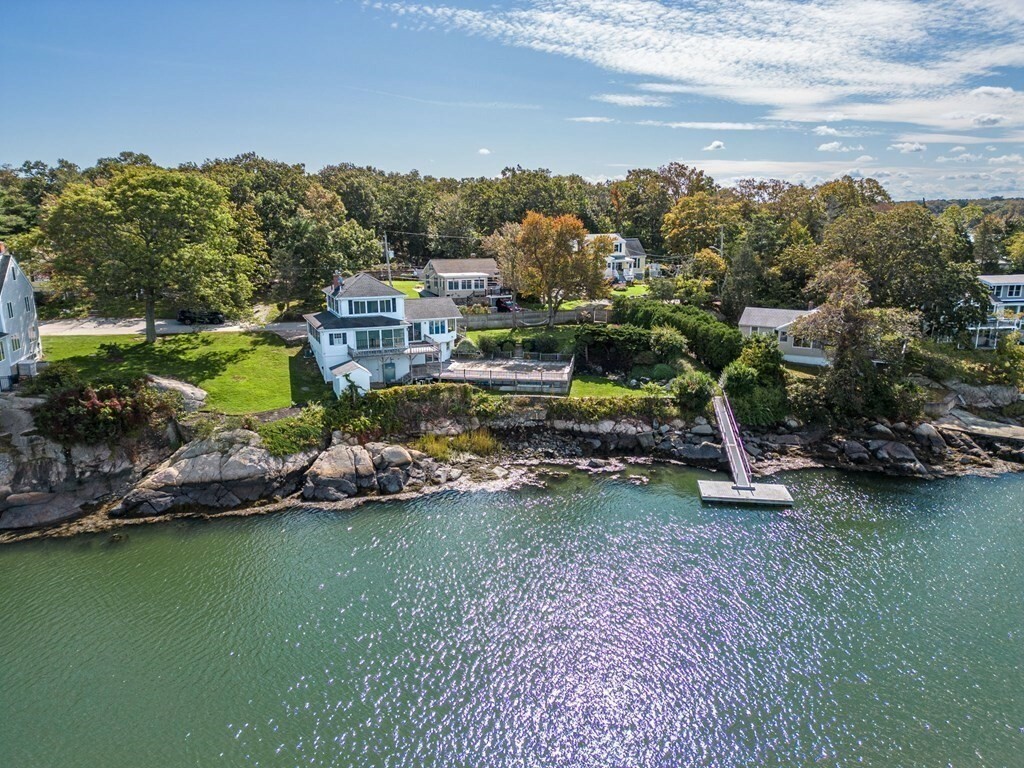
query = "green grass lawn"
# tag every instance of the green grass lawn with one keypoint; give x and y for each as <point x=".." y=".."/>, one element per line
<point x="243" y="372"/>
<point x="598" y="386"/>
<point x="410" y="288"/>
<point x="801" y="371"/>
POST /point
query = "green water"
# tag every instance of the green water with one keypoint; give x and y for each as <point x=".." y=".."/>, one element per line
<point x="596" y="624"/>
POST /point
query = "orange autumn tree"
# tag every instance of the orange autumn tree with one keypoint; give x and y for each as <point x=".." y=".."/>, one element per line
<point x="557" y="262"/>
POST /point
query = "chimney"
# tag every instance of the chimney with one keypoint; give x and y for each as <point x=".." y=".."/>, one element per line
<point x="3" y="248"/>
<point x="336" y="280"/>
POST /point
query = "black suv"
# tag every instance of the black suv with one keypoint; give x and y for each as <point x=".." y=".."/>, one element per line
<point x="190" y="317"/>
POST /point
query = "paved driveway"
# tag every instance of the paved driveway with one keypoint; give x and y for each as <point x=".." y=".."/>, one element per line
<point x="104" y="326"/>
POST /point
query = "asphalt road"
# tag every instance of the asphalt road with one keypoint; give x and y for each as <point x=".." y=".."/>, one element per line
<point x="104" y="326"/>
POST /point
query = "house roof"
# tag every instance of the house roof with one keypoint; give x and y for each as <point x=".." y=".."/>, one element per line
<point x="990" y="279"/>
<point x="430" y="309"/>
<point x="767" y="317"/>
<point x="327" y="321"/>
<point x="464" y="266"/>
<point x="362" y="286"/>
<point x="349" y="366"/>
<point x="634" y="248"/>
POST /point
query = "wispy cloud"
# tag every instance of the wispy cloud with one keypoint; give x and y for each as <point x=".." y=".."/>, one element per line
<point x="632" y="100"/>
<point x="710" y="126"/>
<point x="591" y="120"/>
<point x="714" y="146"/>
<point x="483" y="151"/>
<point x="900" y="61"/>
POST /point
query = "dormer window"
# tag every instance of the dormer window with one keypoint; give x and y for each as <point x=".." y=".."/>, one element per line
<point x="1013" y="291"/>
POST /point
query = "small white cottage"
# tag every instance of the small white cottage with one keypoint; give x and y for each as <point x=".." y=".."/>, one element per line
<point x="20" y="348"/>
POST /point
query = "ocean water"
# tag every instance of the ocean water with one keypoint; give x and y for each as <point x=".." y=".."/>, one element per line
<point x="595" y="623"/>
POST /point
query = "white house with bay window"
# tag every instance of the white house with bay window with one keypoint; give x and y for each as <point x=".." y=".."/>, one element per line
<point x="627" y="261"/>
<point x="20" y="348"/>
<point x="462" y="278"/>
<point x="372" y="334"/>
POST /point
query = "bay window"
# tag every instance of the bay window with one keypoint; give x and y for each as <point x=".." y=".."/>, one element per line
<point x="386" y="338"/>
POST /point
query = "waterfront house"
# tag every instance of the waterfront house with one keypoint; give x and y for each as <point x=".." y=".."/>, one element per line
<point x="20" y="348"/>
<point x="1006" y="293"/>
<point x="371" y="334"/>
<point x="779" y="323"/>
<point x="463" y="279"/>
<point x="627" y="261"/>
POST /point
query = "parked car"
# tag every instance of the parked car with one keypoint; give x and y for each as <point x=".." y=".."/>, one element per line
<point x="507" y="305"/>
<point x="191" y="317"/>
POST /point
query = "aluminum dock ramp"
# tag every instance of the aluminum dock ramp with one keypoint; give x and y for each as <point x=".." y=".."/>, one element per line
<point x="741" y="490"/>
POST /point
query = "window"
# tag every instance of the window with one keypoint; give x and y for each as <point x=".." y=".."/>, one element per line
<point x="3" y="350"/>
<point x="416" y="332"/>
<point x="800" y="343"/>
<point x="438" y="327"/>
<point x="388" y="338"/>
<point x="618" y="248"/>
<point x="467" y="285"/>
<point x="783" y="336"/>
<point x="312" y="332"/>
<point x="335" y="339"/>
<point x="997" y="291"/>
<point x="15" y="344"/>
<point x="370" y="306"/>
<point x="10" y="309"/>
<point x="478" y="284"/>
<point x="453" y="285"/>
<point x="14" y="274"/>
<point x="28" y="303"/>
<point x="1013" y="291"/>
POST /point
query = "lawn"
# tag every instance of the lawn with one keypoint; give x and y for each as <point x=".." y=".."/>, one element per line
<point x="410" y="288"/>
<point x="243" y="372"/>
<point x="566" y="334"/>
<point x="598" y="386"/>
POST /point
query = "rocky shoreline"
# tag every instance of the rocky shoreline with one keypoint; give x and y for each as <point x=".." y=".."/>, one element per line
<point x="231" y="473"/>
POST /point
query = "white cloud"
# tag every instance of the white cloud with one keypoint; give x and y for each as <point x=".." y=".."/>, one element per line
<point x="710" y="126"/>
<point x="714" y="146"/>
<point x="483" y="151"/>
<point x="632" y="100"/>
<point x="908" y="147"/>
<point x="864" y="159"/>
<point x="963" y="157"/>
<point x="825" y="130"/>
<point x="838" y="146"/>
<point x="591" y="120"/>
<point x="1014" y="159"/>
<point x="958" y="149"/>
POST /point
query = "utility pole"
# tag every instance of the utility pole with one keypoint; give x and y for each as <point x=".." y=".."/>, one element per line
<point x="387" y="258"/>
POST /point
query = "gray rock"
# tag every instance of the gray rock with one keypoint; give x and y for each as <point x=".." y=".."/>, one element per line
<point x="34" y="510"/>
<point x="703" y="453"/>
<point x="396" y="456"/>
<point x="928" y="435"/>
<point x="898" y="453"/>
<point x="703" y="430"/>
<point x="855" y="451"/>
<point x="881" y="430"/>
<point x="192" y="397"/>
<point x="391" y="480"/>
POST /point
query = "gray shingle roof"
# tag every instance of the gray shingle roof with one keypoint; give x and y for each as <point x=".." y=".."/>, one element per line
<point x="990" y="279"/>
<point x="633" y="247"/>
<point x="361" y="286"/>
<point x="329" y="322"/>
<point x="347" y="367"/>
<point x="766" y="317"/>
<point x="461" y="266"/>
<point x="430" y="309"/>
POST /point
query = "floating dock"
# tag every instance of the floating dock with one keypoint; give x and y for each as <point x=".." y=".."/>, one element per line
<point x="741" y="490"/>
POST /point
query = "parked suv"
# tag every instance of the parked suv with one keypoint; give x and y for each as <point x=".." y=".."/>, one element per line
<point x="190" y="317"/>
<point x="507" y="305"/>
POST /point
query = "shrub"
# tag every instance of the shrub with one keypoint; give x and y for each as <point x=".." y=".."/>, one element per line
<point x="1010" y="359"/>
<point x="662" y="288"/>
<point x="293" y="434"/>
<point x="466" y="348"/>
<point x="544" y="343"/>
<point x="808" y="400"/>
<point x="761" y="406"/>
<point x="668" y="343"/>
<point x="435" y="446"/>
<point x="761" y="352"/>
<point x="591" y="409"/>
<point x="55" y="377"/>
<point x="614" y="347"/>
<point x="662" y="372"/>
<point x="738" y="379"/>
<point x="106" y="413"/>
<point x="693" y="391"/>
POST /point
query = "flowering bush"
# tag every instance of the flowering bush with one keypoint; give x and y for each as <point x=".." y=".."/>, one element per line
<point x="102" y="413"/>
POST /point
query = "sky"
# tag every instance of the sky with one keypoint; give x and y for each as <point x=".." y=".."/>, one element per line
<point x="927" y="96"/>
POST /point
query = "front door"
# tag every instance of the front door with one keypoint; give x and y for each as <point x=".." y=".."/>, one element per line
<point x="389" y="372"/>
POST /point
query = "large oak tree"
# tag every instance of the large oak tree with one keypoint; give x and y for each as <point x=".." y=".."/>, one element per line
<point x="151" y="233"/>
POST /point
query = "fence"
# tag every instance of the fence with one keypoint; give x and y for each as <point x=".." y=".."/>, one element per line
<point x="531" y="319"/>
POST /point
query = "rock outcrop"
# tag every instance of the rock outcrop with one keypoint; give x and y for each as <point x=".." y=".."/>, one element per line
<point x="192" y="397"/>
<point x="221" y="472"/>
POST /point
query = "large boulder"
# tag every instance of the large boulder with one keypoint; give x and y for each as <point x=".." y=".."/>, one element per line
<point x="339" y="472"/>
<point x="928" y="435"/>
<point x="192" y="397"/>
<point x="990" y="396"/>
<point x="391" y="480"/>
<point x="220" y="472"/>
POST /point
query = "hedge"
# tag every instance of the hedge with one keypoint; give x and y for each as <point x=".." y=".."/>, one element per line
<point x="711" y="341"/>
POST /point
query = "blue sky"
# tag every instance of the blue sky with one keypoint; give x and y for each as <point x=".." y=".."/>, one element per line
<point x="925" y="95"/>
